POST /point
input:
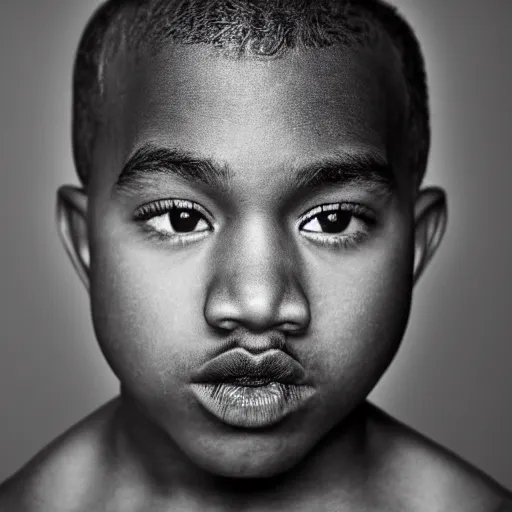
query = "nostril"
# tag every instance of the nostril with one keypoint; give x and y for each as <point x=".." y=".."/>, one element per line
<point x="293" y="328"/>
<point x="227" y="325"/>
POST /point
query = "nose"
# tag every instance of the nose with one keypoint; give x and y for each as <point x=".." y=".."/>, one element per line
<point x="256" y="283"/>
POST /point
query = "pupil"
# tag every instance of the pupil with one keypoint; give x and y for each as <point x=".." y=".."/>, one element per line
<point x="334" y="222"/>
<point x="183" y="221"/>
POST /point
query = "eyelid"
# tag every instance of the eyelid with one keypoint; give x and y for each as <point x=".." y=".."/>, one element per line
<point x="163" y="206"/>
<point x="356" y="209"/>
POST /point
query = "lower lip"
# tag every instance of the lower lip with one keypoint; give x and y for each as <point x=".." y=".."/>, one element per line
<point x="251" y="406"/>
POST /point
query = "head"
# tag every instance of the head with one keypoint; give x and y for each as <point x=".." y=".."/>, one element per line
<point x="251" y="177"/>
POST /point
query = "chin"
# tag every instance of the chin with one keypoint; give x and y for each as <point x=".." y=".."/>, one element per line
<point x="233" y="467"/>
<point x="248" y="458"/>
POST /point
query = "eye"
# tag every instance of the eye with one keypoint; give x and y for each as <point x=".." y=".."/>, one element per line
<point x="177" y="219"/>
<point x="338" y="224"/>
<point x="329" y="222"/>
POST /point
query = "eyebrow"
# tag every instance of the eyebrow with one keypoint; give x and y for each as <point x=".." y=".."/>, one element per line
<point x="151" y="160"/>
<point x="363" y="168"/>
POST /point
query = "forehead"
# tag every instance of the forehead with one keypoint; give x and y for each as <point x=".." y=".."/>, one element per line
<point x="255" y="114"/>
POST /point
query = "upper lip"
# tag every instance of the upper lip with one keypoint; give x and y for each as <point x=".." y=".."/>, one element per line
<point x="240" y="366"/>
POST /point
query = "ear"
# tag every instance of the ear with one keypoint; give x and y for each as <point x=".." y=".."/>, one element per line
<point x="430" y="216"/>
<point x="72" y="228"/>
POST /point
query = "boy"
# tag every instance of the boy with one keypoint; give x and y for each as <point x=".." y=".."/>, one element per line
<point x="250" y="227"/>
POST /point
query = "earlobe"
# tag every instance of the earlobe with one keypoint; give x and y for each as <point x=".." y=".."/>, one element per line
<point x="430" y="213"/>
<point x="72" y="228"/>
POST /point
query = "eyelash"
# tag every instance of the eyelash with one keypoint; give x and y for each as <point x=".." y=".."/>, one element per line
<point x="165" y="206"/>
<point x="357" y="211"/>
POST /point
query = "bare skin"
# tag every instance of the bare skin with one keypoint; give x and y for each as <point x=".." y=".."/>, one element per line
<point x="82" y="472"/>
<point x="260" y="275"/>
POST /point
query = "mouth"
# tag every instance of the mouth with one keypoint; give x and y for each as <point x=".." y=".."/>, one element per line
<point x="248" y="391"/>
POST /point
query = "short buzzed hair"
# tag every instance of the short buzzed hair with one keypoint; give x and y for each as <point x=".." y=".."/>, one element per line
<point x="244" y="28"/>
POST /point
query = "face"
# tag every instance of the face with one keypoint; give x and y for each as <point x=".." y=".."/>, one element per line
<point x="250" y="231"/>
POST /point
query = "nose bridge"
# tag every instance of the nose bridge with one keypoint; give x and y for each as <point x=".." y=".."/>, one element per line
<point x="258" y="260"/>
<point x="256" y="281"/>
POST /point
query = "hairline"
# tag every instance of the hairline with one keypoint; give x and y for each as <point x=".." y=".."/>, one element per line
<point x="116" y="42"/>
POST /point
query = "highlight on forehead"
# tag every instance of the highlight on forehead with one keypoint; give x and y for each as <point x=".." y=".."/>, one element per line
<point x="244" y="29"/>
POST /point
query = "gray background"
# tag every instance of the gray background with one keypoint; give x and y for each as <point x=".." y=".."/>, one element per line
<point x="452" y="378"/>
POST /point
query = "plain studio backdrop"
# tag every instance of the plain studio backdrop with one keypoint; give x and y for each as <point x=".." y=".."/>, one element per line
<point x="452" y="378"/>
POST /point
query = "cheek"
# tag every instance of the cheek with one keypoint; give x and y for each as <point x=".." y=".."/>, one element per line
<point x="146" y="312"/>
<point x="361" y="308"/>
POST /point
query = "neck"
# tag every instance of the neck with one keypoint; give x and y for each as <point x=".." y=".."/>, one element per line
<point x="156" y="461"/>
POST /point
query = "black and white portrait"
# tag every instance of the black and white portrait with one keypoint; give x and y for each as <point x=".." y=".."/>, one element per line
<point x="255" y="255"/>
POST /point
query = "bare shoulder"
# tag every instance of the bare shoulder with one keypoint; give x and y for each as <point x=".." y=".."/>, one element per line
<point x="422" y="476"/>
<point x="67" y="474"/>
